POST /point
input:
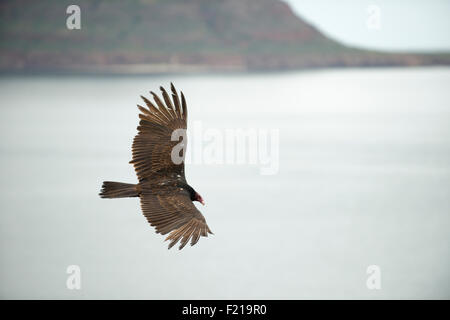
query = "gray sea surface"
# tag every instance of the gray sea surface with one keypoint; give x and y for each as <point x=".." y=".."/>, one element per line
<point x="363" y="179"/>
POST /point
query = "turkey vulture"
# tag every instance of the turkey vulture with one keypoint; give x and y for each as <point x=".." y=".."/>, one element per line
<point x="166" y="197"/>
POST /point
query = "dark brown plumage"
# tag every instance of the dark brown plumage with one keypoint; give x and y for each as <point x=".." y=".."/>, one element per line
<point x="166" y="197"/>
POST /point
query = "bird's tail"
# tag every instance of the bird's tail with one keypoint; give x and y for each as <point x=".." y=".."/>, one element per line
<point x="112" y="189"/>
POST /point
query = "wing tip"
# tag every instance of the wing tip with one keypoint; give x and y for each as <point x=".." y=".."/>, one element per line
<point x="180" y="235"/>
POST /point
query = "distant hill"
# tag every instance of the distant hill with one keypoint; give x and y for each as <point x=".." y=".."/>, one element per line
<point x="174" y="36"/>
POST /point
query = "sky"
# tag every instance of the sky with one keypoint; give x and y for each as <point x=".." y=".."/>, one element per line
<point x="394" y="25"/>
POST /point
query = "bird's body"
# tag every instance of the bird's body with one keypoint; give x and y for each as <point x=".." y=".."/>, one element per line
<point x="158" y="158"/>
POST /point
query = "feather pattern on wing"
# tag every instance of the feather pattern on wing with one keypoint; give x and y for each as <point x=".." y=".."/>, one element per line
<point x="166" y="198"/>
<point x="174" y="213"/>
<point x="152" y="146"/>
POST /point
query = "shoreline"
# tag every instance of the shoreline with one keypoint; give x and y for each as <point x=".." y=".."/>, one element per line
<point x="164" y="69"/>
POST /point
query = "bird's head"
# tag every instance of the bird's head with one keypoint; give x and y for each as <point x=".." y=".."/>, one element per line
<point x="199" y="198"/>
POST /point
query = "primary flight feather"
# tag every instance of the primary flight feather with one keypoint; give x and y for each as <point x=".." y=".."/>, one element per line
<point x="166" y="197"/>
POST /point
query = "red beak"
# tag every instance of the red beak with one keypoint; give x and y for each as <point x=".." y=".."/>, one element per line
<point x="199" y="198"/>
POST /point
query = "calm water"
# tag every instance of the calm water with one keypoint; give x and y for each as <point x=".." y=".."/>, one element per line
<point x="364" y="179"/>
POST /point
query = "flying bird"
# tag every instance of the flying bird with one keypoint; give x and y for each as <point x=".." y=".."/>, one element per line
<point x="166" y="197"/>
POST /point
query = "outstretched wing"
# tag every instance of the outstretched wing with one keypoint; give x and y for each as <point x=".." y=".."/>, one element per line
<point x="152" y="146"/>
<point x="175" y="213"/>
